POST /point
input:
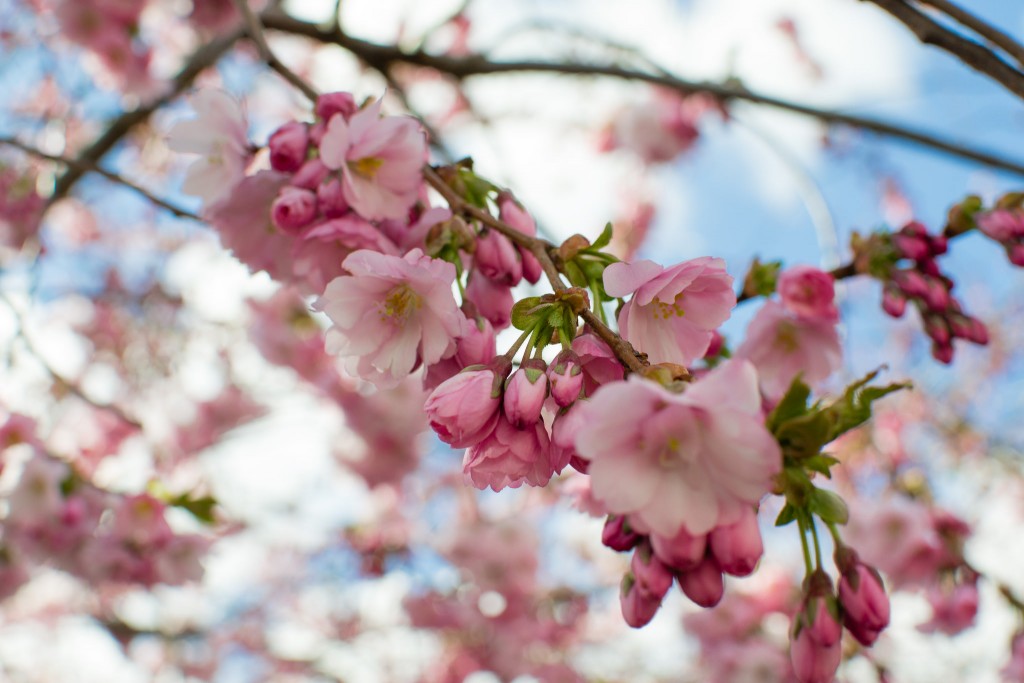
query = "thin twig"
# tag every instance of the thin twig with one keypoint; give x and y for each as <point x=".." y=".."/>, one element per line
<point x="380" y="56"/>
<point x="973" y="54"/>
<point x="88" y="167"/>
<point x="984" y="29"/>
<point x="255" y="30"/>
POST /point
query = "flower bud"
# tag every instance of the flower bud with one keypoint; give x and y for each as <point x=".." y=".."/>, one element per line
<point x="464" y="409"/>
<point x="618" y="535"/>
<point x="738" y="547"/>
<point x="808" y="292"/>
<point x="329" y="104"/>
<point x="288" y="147"/>
<point x="511" y="213"/>
<point x="912" y="247"/>
<point x="651" y="574"/>
<point x="492" y="301"/>
<point x="937" y="328"/>
<point x="498" y="259"/>
<point x="310" y="175"/>
<point x="682" y="552"/>
<point x="942" y="353"/>
<point x="936" y="295"/>
<point x="477" y="346"/>
<point x="938" y="244"/>
<point x="893" y="301"/>
<point x="814" y="663"/>
<point x="566" y="377"/>
<point x="865" y="604"/>
<point x="525" y="392"/>
<point x="293" y="209"/>
<point x="1016" y="254"/>
<point x="910" y="282"/>
<point x="703" y="584"/>
<point x="566" y="426"/>
<point x="638" y="608"/>
<point x="332" y="201"/>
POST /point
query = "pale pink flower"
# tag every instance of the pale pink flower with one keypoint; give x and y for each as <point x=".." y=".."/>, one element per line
<point x="218" y="135"/>
<point x="510" y="457"/>
<point x="380" y="161"/>
<point x="464" y="409"/>
<point x="693" y="460"/>
<point x="808" y="292"/>
<point x="674" y="310"/>
<point x="782" y="346"/>
<point x="598" y="362"/>
<point x="392" y="314"/>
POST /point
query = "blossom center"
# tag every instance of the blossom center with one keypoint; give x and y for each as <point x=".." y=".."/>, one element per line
<point x="786" y="338"/>
<point x="400" y="303"/>
<point x="367" y="166"/>
<point x="666" y="311"/>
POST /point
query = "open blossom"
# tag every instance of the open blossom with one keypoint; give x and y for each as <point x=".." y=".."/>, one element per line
<point x="379" y="159"/>
<point x="392" y="314"/>
<point x="674" y="310"/>
<point x="510" y="457"/>
<point x="218" y="135"/>
<point x="808" y="292"/>
<point x="694" y="460"/>
<point x="782" y="345"/>
<point x="464" y="409"/>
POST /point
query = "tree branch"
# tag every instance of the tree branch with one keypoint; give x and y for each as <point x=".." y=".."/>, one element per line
<point x="381" y="56"/>
<point x="202" y="58"/>
<point x="973" y="54"/>
<point x="87" y="167"/>
<point x="255" y="30"/>
<point x="987" y="31"/>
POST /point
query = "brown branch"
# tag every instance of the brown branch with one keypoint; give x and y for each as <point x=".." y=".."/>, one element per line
<point x="87" y="167"/>
<point x="205" y="56"/>
<point x="973" y="54"/>
<point x="382" y="56"/>
<point x="987" y="31"/>
<point x="255" y="30"/>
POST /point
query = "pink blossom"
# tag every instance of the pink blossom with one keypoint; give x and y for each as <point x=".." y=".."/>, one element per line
<point x="782" y="346"/>
<point x="703" y="584"/>
<point x="329" y="104"/>
<point x="293" y="209"/>
<point x="392" y="314"/>
<point x="692" y="460"/>
<point x="525" y="393"/>
<point x="566" y="426"/>
<point x="1002" y="225"/>
<point x="682" y="552"/>
<point x="737" y="546"/>
<point x="638" y="607"/>
<point x="865" y="604"/>
<point x="492" y="301"/>
<point x="953" y="608"/>
<point x="808" y="292"/>
<point x="652" y="575"/>
<point x="288" y="145"/>
<point x="379" y="159"/>
<point x="509" y="457"/>
<point x="510" y="212"/>
<point x="464" y="409"/>
<point x="498" y="259"/>
<point x="566" y="377"/>
<point x="218" y="135"/>
<point x="618" y="535"/>
<point x="814" y="663"/>
<point x="674" y="310"/>
<point x="598" y="362"/>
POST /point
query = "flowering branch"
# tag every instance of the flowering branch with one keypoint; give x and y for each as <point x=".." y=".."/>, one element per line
<point x="987" y="31"/>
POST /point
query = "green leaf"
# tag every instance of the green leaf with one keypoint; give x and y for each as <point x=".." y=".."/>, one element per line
<point x="603" y="240"/>
<point x="803" y="437"/>
<point x="201" y="508"/>
<point x="526" y="313"/>
<point x="793" y="404"/>
<point x="821" y="463"/>
<point x="829" y="506"/>
<point x="853" y="408"/>
<point x="786" y="516"/>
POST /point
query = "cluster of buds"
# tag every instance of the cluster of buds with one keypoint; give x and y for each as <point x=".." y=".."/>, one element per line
<point x="861" y="607"/>
<point x="1004" y="223"/>
<point x="696" y="562"/>
<point x="924" y="284"/>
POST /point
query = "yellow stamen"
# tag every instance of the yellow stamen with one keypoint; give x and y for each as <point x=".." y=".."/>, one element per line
<point x="366" y="167"/>
<point x="400" y="303"/>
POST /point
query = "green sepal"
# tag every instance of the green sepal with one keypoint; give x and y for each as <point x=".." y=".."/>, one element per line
<point x="603" y="240"/>
<point x="829" y="507"/>
<point x="786" y="516"/>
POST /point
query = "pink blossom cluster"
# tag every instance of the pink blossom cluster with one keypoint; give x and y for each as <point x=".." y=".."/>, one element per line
<point x="109" y="29"/>
<point x="21" y="207"/>
<point x="519" y="427"/>
<point x="930" y="290"/>
<point x="1005" y="226"/>
<point x="797" y="335"/>
<point x="56" y="518"/>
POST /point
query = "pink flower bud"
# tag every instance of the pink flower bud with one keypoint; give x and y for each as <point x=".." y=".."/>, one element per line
<point x="942" y="352"/>
<point x="936" y="295"/>
<point x="525" y="392"/>
<point x="329" y="104"/>
<point x="498" y="259"/>
<point x="912" y="247"/>
<point x="682" y="552"/>
<point x="652" y="576"/>
<point x="293" y="209"/>
<point x="638" y="608"/>
<point x="937" y="328"/>
<point x="910" y="282"/>
<point x="813" y="663"/>
<point x="618" y="535"/>
<point x="865" y="604"/>
<point x="477" y="346"/>
<point x="288" y="147"/>
<point x="914" y="229"/>
<point x="464" y="409"/>
<point x="566" y="377"/>
<point x="738" y="547"/>
<point x="510" y="212"/>
<point x="1016" y="254"/>
<point x="492" y="301"/>
<point x="310" y="175"/>
<point x="331" y="199"/>
<point x="938" y="244"/>
<point x="567" y="425"/>
<point x="808" y="292"/>
<point x="893" y="301"/>
<point x="1001" y="225"/>
<point x="703" y="584"/>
